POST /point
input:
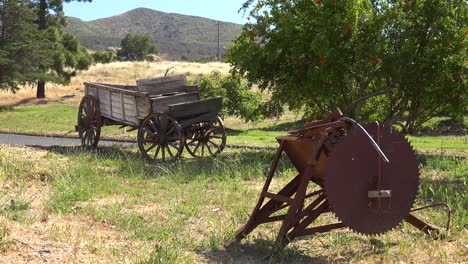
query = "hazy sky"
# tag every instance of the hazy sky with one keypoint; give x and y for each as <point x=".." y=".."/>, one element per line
<point x="224" y="10"/>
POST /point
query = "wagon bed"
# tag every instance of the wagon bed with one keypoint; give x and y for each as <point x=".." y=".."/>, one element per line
<point x="167" y="102"/>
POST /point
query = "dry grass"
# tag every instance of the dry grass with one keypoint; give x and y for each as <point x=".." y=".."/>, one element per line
<point x="177" y="213"/>
<point x="125" y="73"/>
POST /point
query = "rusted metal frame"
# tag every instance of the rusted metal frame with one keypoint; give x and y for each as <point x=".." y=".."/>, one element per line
<point x="278" y="197"/>
<point x="333" y="116"/>
<point x="296" y="207"/>
<point x="311" y="215"/>
<point x="256" y="219"/>
<point x="421" y="225"/>
<point x="311" y="207"/>
<point x="313" y="194"/>
<point x="273" y="219"/>
<point x="273" y="206"/>
<point x="317" y="130"/>
<point x="447" y="208"/>
<point x="319" y="229"/>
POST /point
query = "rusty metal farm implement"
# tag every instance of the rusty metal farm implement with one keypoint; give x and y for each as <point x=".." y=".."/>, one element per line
<point x="168" y="114"/>
<point x="368" y="177"/>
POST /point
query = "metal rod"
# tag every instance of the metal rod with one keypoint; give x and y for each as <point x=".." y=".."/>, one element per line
<point x="371" y="140"/>
<point x="448" y="210"/>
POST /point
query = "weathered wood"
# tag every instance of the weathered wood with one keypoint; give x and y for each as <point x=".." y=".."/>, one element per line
<point x="180" y="110"/>
<point x="181" y="78"/>
<point x="119" y="102"/>
<point x="162" y="103"/>
<point x="165" y="85"/>
<point x="128" y="104"/>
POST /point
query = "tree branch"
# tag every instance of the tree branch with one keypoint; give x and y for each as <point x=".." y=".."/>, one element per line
<point x="353" y="104"/>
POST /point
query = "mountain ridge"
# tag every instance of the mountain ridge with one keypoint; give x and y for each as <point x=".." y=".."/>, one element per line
<point x="178" y="36"/>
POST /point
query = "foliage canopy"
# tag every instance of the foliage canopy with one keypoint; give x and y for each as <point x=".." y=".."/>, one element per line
<point x="65" y="50"/>
<point x="23" y="49"/>
<point x="238" y="100"/>
<point x="387" y="60"/>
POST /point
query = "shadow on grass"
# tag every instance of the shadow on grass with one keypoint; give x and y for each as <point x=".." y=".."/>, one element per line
<point x="260" y="251"/>
<point x="284" y="126"/>
<point x="245" y="164"/>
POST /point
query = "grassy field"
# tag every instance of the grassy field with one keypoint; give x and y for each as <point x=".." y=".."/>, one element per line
<point x="125" y="73"/>
<point x="61" y="119"/>
<point x="110" y="206"/>
<point x="66" y="205"/>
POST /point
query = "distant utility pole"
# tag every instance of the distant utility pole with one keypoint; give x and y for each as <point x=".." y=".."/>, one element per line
<point x="219" y="57"/>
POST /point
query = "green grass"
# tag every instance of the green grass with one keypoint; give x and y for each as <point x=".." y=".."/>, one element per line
<point x="61" y="120"/>
<point x="440" y="142"/>
<point x="184" y="211"/>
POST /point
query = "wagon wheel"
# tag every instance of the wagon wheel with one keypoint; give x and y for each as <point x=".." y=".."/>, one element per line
<point x="89" y="121"/>
<point x="208" y="138"/>
<point x="160" y="137"/>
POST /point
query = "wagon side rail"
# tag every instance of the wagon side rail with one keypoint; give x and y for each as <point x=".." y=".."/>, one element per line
<point x="119" y="103"/>
<point x="189" y="113"/>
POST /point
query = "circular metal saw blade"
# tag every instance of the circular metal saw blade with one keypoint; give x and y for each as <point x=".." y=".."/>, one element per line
<point x="352" y="183"/>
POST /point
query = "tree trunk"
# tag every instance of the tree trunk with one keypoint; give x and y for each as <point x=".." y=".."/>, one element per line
<point x="40" y="89"/>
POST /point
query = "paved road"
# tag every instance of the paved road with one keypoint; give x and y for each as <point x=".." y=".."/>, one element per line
<point x="25" y="140"/>
<point x="47" y="141"/>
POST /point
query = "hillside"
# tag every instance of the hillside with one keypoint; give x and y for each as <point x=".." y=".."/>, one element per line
<point x="178" y="36"/>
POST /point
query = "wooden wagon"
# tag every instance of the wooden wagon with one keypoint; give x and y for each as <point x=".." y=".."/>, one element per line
<point x="168" y="114"/>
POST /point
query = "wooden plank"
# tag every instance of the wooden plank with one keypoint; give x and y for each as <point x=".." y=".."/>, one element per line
<point x="176" y="98"/>
<point x="184" y="123"/>
<point x="163" y="85"/>
<point x="163" y="79"/>
<point x="143" y="107"/>
<point x="130" y="90"/>
<point x="110" y="102"/>
<point x="196" y="107"/>
<point x="122" y="106"/>
<point x="161" y="104"/>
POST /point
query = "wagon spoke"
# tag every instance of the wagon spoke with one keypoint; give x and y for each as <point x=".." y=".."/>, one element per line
<point x="85" y="134"/>
<point x="203" y="149"/>
<point x="173" y="146"/>
<point x="151" y="122"/>
<point x="196" y="147"/>
<point x="216" y="145"/>
<point x="169" y="151"/>
<point x="171" y="130"/>
<point x="151" y="147"/>
<point x="163" y="153"/>
<point x="157" y="151"/>
<point x="209" y="149"/>
<point x="217" y="137"/>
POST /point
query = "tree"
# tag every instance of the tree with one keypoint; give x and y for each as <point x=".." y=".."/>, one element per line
<point x="425" y="60"/>
<point x="23" y="50"/>
<point x="238" y="100"/>
<point x="103" y="57"/>
<point x="355" y="54"/>
<point x="135" y="48"/>
<point x="67" y="53"/>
